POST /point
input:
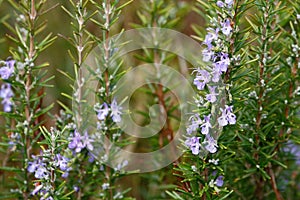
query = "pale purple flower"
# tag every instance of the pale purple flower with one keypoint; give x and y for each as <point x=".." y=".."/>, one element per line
<point x="115" y="111"/>
<point x="229" y="3"/>
<point x="6" y="94"/>
<point x="61" y="162"/>
<point x="76" y="142"/>
<point x="105" y="186"/>
<point x="87" y="141"/>
<point x="210" y="37"/>
<point x="207" y="55"/>
<point x="202" y="78"/>
<point x="226" y="27"/>
<point x="210" y="144"/>
<point x="219" y="181"/>
<point x="32" y="166"/>
<point x="102" y="111"/>
<point x="41" y="172"/>
<point x="206" y="125"/>
<point x="76" y="188"/>
<point x="193" y="144"/>
<point x="195" y="123"/>
<point x="220" y="4"/>
<point x="212" y="96"/>
<point x="222" y="64"/>
<point x="216" y="74"/>
<point x="227" y="116"/>
<point x="91" y="157"/>
<point x="7" y="71"/>
<point x="66" y="173"/>
<point x="37" y="189"/>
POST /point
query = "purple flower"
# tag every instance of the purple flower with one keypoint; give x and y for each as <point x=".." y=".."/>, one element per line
<point x="91" y="157"/>
<point x="212" y="96"/>
<point x="206" y="125"/>
<point x="227" y="116"/>
<point x="41" y="172"/>
<point x="220" y="4"/>
<point x="115" y="111"/>
<point x="210" y="37"/>
<point x="216" y="75"/>
<point x="195" y="123"/>
<point x="61" y="162"/>
<point x="76" y="188"/>
<point x="193" y="144"/>
<point x="229" y="3"/>
<point x="223" y="63"/>
<point x="37" y="189"/>
<point x="219" y="181"/>
<point x="32" y="166"/>
<point x="7" y="71"/>
<point x="226" y="27"/>
<point x="207" y="55"/>
<point x="76" y="142"/>
<point x="210" y="144"/>
<point x="6" y="94"/>
<point x="202" y="78"/>
<point x="87" y="141"/>
<point x="102" y="111"/>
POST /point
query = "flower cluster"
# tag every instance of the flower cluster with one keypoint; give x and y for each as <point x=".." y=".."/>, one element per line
<point x="42" y="167"/>
<point x="216" y="52"/>
<point x="6" y="92"/>
<point x="103" y="111"/>
<point x="8" y="69"/>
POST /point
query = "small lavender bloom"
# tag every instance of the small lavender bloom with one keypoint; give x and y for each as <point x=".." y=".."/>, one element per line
<point x="76" y="142"/>
<point x="220" y="4"/>
<point x="211" y="144"/>
<point x="121" y="165"/>
<point x="193" y="144"/>
<point x="76" y="188"/>
<point x="210" y="37"/>
<point x="6" y="94"/>
<point x="216" y="75"/>
<point x="115" y="111"/>
<point x="91" y="157"/>
<point x="32" y="166"/>
<point x="37" y="189"/>
<point x="222" y="120"/>
<point x="212" y="96"/>
<point x="87" y="141"/>
<point x="65" y="174"/>
<point x="102" y="111"/>
<point x="223" y="62"/>
<point x="49" y="198"/>
<point x="41" y="172"/>
<point x="207" y="55"/>
<point x="7" y="71"/>
<point x="227" y="116"/>
<point x="229" y="3"/>
<point x="105" y="186"/>
<point x="195" y="123"/>
<point x="202" y="78"/>
<point x="206" y="125"/>
<point x="226" y="27"/>
<point x="219" y="181"/>
<point x="61" y="162"/>
<point x="231" y="118"/>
